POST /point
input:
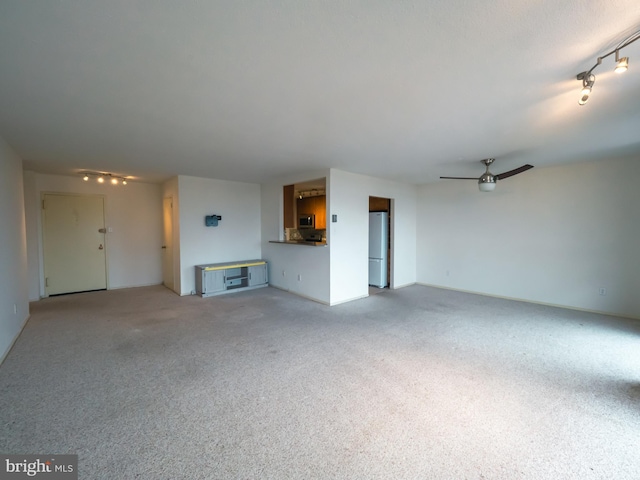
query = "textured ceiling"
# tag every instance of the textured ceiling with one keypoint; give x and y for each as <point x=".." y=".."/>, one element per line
<point x="250" y="90"/>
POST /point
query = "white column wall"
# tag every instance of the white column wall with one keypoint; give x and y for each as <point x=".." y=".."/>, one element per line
<point x="349" y="236"/>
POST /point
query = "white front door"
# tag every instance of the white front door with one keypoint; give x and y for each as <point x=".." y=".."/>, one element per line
<point x="167" y="244"/>
<point x="73" y="243"/>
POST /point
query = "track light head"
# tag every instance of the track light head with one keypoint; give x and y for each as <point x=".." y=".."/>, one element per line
<point x="622" y="65"/>
<point x="587" y="84"/>
<point x="86" y="177"/>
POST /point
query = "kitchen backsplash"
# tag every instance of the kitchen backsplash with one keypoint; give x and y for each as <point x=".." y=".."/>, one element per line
<point x="305" y="234"/>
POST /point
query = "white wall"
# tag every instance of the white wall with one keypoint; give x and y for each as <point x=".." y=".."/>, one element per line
<point x="311" y="263"/>
<point x="552" y="235"/>
<point x="14" y="304"/>
<point x="349" y="236"/>
<point x="134" y="212"/>
<point x="237" y="236"/>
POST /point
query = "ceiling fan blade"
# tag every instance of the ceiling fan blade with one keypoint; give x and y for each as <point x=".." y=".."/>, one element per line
<point x="511" y="173"/>
<point x="461" y="178"/>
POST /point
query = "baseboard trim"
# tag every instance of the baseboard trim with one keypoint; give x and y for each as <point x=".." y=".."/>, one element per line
<point x="301" y="295"/>
<point x="15" y="338"/>
<point x="396" y="287"/>
<point x="557" y="305"/>
<point x="360" y="297"/>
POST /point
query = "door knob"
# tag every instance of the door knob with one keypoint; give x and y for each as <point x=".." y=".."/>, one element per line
<point x="100" y="247"/>
<point x="164" y="246"/>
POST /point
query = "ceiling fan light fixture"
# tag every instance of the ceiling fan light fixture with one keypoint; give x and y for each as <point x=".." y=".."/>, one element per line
<point x="486" y="186"/>
<point x="487" y="181"/>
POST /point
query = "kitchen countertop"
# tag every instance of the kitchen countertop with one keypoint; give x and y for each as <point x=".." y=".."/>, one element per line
<point x="300" y="242"/>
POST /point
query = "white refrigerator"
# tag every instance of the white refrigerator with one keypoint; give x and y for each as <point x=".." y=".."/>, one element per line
<point x="378" y="241"/>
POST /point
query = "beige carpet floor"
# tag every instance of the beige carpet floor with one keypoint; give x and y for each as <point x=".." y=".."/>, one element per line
<point x="416" y="383"/>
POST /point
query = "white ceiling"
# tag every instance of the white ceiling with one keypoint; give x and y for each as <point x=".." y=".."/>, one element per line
<point x="250" y="90"/>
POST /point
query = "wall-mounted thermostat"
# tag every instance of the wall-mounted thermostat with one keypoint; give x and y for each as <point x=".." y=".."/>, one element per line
<point x="212" y="220"/>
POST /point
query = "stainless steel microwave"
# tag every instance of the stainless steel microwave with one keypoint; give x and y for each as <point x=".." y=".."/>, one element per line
<point x="306" y="220"/>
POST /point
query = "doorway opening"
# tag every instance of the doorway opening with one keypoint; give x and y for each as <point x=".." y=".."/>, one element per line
<point x="380" y="240"/>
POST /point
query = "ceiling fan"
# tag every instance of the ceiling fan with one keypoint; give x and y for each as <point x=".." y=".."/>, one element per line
<point x="487" y="181"/>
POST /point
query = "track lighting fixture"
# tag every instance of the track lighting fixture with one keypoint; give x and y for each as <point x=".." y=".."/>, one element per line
<point x="102" y="176"/>
<point x="622" y="65"/>
<point x="314" y="192"/>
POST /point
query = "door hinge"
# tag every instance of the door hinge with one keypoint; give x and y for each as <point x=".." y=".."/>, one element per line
<point x="46" y="281"/>
<point x="43" y="207"/>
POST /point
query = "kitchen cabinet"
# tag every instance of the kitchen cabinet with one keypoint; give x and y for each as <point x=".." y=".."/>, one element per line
<point x="219" y="278"/>
<point x="320" y="205"/>
<point x="288" y="199"/>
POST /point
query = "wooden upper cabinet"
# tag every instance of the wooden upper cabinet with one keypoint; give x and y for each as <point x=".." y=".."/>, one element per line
<point x="304" y="205"/>
<point x="320" y="210"/>
<point x="289" y="216"/>
<point x="378" y="204"/>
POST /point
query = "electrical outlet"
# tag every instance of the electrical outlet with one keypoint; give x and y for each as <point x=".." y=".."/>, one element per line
<point x="602" y="291"/>
<point x="15" y="309"/>
<point x="447" y="273"/>
<point x="299" y="277"/>
<point x="284" y="274"/>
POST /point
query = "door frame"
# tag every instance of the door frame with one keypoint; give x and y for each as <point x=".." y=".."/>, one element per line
<point x="172" y="235"/>
<point x="41" y="234"/>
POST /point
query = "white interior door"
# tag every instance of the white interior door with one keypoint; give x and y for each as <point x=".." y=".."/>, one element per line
<point x="167" y="244"/>
<point x="73" y="243"/>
